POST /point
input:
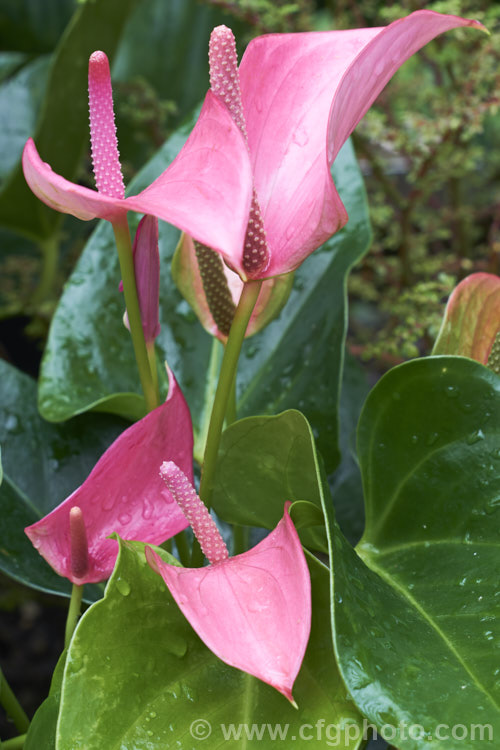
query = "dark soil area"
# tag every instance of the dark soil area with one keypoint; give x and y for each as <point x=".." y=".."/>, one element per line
<point x="31" y="641"/>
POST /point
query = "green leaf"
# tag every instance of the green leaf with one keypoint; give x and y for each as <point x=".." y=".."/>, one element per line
<point x="145" y="678"/>
<point x="33" y="27"/>
<point x="42" y="465"/>
<point x="62" y="129"/>
<point x="415" y="611"/>
<point x="166" y="43"/>
<point x="471" y="319"/>
<point x="42" y="730"/>
<point x="345" y="484"/>
<point x="263" y="462"/>
<point x="20" y="100"/>
<point x="296" y="361"/>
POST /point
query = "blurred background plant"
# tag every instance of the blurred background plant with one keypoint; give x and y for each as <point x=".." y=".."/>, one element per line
<point x="430" y="152"/>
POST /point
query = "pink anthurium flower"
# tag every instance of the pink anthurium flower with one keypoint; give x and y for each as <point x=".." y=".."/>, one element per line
<point x="213" y="290"/>
<point x="296" y="99"/>
<point x="206" y="190"/>
<point x="147" y="277"/>
<point x="122" y="494"/>
<point x="252" y="610"/>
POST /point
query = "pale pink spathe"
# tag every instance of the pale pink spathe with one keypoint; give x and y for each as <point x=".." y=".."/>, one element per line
<point x="123" y="494"/>
<point x="252" y="610"/>
<point x="206" y="191"/>
<point x="303" y="95"/>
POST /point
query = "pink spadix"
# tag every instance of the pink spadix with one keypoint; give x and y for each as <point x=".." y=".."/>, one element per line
<point x="297" y="98"/>
<point x="105" y="156"/>
<point x="252" y="610"/>
<point x="123" y="494"/>
<point x="206" y="191"/>
<point x="225" y="82"/>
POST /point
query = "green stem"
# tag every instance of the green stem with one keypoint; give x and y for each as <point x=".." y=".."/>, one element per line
<point x="231" y="406"/>
<point x="150" y="348"/>
<point x="50" y="253"/>
<point x="73" y="613"/>
<point x="124" y="247"/>
<point x="241" y="536"/>
<point x="216" y="355"/>
<point x="227" y="377"/>
<point x="182" y="548"/>
<point x="12" y="706"/>
<point x="16" y="743"/>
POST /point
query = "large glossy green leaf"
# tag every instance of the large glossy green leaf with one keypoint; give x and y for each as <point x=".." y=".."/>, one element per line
<point x="295" y="362"/>
<point x="42" y="464"/>
<point x="147" y="681"/>
<point x="62" y="129"/>
<point x="166" y="43"/>
<point x="20" y="99"/>
<point x="264" y="462"/>
<point x="345" y="483"/>
<point x="415" y="609"/>
<point x="33" y="27"/>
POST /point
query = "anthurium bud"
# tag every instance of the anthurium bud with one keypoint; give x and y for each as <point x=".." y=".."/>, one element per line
<point x="213" y="290"/>
<point x="147" y="276"/>
<point x="471" y="319"/>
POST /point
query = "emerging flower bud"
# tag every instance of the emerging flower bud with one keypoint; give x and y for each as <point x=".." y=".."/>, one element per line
<point x="147" y="276"/>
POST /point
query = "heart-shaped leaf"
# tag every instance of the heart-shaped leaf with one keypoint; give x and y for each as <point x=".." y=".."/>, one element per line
<point x="264" y="462"/>
<point x="296" y="361"/>
<point x="158" y="685"/>
<point x="415" y="611"/>
<point x="42" y="464"/>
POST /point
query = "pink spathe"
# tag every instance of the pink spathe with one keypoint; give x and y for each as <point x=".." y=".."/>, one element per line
<point x="253" y="180"/>
<point x="302" y="96"/>
<point x="252" y="610"/>
<point x="123" y="494"/>
<point x="206" y="191"/>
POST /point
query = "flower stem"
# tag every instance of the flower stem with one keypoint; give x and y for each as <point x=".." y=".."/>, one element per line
<point x="150" y="348"/>
<point x="12" y="706"/>
<point x="182" y="548"/>
<point x="241" y="536"/>
<point x="73" y="613"/>
<point x="50" y="252"/>
<point x="227" y="376"/>
<point x="231" y="406"/>
<point x="124" y="247"/>
<point x="15" y="743"/>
